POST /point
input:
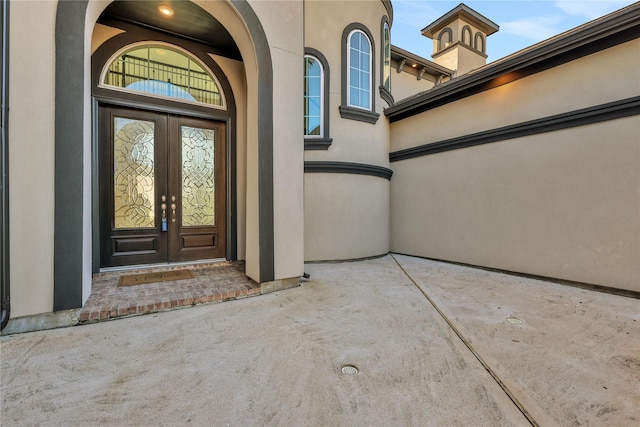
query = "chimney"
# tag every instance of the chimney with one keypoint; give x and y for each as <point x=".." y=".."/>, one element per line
<point x="460" y="39"/>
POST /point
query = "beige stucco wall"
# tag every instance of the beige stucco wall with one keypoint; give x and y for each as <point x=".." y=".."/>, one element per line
<point x="448" y="58"/>
<point x="466" y="60"/>
<point x="406" y="83"/>
<point x="582" y="83"/>
<point x="234" y="71"/>
<point x="283" y="26"/>
<point x="345" y="214"/>
<point x="353" y="141"/>
<point x="350" y="216"/>
<point x="230" y="18"/>
<point x="564" y="204"/>
<point x="31" y="155"/>
<point x="102" y="33"/>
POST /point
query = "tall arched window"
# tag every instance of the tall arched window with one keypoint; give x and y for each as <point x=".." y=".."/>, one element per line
<point x="313" y="100"/>
<point x="164" y="71"/>
<point x="386" y="67"/>
<point x="316" y="101"/>
<point x="358" y="74"/>
<point x="385" y="62"/>
<point x="359" y="59"/>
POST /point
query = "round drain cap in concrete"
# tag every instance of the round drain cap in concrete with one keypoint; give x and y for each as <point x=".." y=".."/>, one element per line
<point x="514" y="320"/>
<point x="349" y="370"/>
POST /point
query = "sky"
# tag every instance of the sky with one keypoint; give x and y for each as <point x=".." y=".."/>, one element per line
<point x="522" y="22"/>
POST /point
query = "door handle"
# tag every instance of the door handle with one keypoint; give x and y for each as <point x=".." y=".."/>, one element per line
<point x="173" y="209"/>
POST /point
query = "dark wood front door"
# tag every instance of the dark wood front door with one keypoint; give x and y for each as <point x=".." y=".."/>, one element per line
<point x="162" y="188"/>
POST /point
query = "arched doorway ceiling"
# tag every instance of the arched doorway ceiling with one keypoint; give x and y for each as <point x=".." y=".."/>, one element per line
<point x="188" y="21"/>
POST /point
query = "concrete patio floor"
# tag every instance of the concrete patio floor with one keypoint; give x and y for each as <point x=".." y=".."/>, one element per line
<point x="435" y="344"/>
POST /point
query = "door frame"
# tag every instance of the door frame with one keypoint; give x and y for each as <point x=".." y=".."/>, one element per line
<point x="101" y="95"/>
<point x="230" y="166"/>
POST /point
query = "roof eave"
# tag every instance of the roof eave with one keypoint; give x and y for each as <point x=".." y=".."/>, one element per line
<point x="482" y="22"/>
<point x="615" y="28"/>
<point x="420" y="61"/>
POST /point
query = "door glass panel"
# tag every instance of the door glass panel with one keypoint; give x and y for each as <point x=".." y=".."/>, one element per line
<point x="198" y="176"/>
<point x="133" y="173"/>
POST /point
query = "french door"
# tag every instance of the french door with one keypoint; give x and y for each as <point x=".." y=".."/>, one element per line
<point x="162" y="188"/>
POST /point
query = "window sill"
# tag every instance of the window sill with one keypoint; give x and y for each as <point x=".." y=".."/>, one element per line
<point x="317" y="143"/>
<point x="358" y="114"/>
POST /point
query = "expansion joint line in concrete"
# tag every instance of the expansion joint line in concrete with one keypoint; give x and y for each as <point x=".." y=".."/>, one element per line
<point x="484" y="364"/>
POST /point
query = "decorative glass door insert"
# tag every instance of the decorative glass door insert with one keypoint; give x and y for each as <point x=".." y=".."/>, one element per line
<point x="198" y="176"/>
<point x="134" y="173"/>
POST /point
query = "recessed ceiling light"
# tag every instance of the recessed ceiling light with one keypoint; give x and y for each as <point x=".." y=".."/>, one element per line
<point x="165" y="10"/>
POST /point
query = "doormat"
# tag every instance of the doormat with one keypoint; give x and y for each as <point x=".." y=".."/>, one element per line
<point x="159" y="276"/>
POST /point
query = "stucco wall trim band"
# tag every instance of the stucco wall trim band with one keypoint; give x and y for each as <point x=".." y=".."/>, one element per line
<point x="599" y="113"/>
<point x="347" y="167"/>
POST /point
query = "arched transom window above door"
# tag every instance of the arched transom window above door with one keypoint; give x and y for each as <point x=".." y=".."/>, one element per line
<point x="164" y="71"/>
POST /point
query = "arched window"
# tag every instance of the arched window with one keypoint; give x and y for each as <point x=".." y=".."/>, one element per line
<point x="313" y="99"/>
<point x="385" y="62"/>
<point x="316" y="101"/>
<point x="466" y="35"/>
<point x="359" y="67"/>
<point x="478" y="42"/>
<point x="358" y="74"/>
<point x="445" y="38"/>
<point x="162" y="70"/>
<point x="386" y="67"/>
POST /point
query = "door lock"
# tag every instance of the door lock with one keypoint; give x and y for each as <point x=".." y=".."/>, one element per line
<point x="173" y="209"/>
<point x="163" y="206"/>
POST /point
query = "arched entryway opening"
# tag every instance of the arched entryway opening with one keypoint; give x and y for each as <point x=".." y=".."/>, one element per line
<point x="165" y="169"/>
<point x="78" y="104"/>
